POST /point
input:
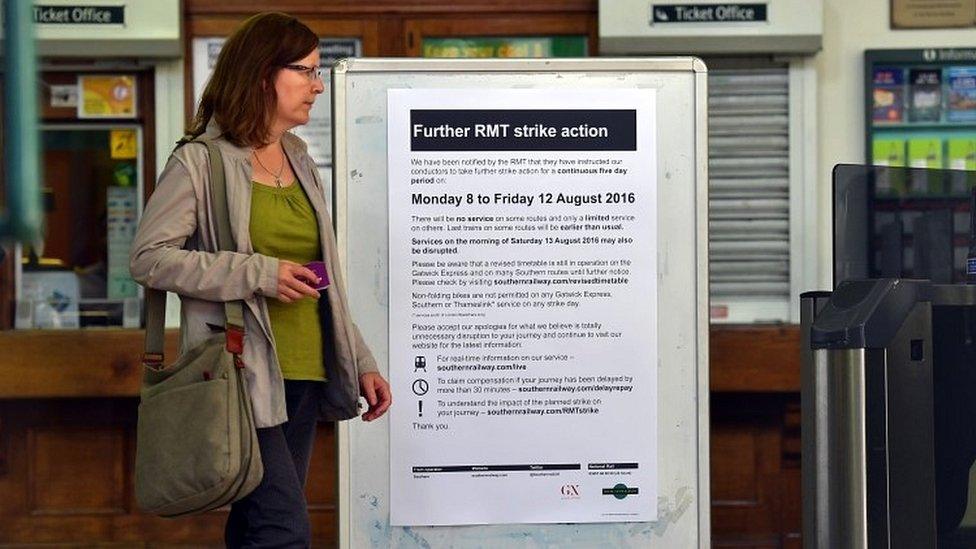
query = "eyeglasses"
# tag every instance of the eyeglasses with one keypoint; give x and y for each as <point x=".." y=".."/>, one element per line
<point x="312" y="73"/>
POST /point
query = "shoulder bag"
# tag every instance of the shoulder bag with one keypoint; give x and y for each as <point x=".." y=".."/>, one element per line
<point x="196" y="446"/>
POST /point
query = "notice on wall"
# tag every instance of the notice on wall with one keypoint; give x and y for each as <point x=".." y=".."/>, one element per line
<point x="107" y="96"/>
<point x="206" y="50"/>
<point x="64" y="96"/>
<point x="922" y="14"/>
<point x="122" y="211"/>
<point x="523" y="316"/>
<point x="318" y="132"/>
<point x="123" y="144"/>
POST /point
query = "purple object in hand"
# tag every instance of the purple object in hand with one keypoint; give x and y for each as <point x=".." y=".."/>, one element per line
<point x="318" y="267"/>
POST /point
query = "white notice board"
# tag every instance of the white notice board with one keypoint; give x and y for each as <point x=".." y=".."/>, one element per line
<point x="526" y="249"/>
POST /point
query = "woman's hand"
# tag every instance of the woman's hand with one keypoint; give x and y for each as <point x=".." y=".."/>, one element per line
<point x="291" y="282"/>
<point x="377" y="393"/>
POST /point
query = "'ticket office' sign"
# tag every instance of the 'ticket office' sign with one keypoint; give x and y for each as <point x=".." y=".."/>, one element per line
<point x="80" y="15"/>
<point x="708" y="13"/>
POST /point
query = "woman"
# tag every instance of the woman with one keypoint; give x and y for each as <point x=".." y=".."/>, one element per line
<point x="304" y="358"/>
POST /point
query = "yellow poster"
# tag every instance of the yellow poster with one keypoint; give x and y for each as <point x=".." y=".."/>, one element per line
<point x="107" y="96"/>
<point x="123" y="143"/>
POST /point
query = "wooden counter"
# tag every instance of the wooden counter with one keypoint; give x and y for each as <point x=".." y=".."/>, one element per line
<point x="754" y="359"/>
<point x="68" y="402"/>
<point x="73" y="363"/>
<point x="755" y="436"/>
<point x="67" y="425"/>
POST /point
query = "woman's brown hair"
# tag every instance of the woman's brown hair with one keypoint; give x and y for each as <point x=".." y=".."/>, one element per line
<point x="240" y="95"/>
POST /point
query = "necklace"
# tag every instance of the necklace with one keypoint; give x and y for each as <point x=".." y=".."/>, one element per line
<point x="277" y="176"/>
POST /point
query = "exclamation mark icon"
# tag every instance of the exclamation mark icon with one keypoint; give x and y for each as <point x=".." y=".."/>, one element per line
<point x="420" y="408"/>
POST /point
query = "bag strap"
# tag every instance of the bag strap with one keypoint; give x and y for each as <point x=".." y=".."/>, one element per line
<point x="233" y="310"/>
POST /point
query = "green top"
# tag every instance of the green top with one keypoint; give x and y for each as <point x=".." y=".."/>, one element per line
<point x="284" y="225"/>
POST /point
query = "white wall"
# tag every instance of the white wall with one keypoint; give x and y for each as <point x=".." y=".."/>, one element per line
<point x="850" y="27"/>
<point x="170" y="118"/>
<point x="170" y="125"/>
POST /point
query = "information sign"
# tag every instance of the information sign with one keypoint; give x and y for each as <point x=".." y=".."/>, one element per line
<point x="523" y="305"/>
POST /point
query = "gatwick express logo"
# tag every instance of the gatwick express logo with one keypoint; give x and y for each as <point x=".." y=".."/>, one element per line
<point x="570" y="491"/>
<point x="620" y="491"/>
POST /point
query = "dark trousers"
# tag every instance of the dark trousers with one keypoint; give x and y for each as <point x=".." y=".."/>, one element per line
<point x="275" y="513"/>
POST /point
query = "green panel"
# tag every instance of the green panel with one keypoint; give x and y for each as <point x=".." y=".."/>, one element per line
<point x="568" y="46"/>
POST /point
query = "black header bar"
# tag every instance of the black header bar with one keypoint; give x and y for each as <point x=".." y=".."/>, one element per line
<point x="610" y="466"/>
<point x="489" y="468"/>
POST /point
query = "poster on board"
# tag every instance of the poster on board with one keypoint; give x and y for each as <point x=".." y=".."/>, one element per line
<point x="206" y="49"/>
<point x="107" y="96"/>
<point x="523" y="305"/>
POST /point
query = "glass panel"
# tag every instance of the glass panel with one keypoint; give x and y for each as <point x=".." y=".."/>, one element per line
<point x="541" y="46"/>
<point x="901" y="222"/>
<point x="77" y="276"/>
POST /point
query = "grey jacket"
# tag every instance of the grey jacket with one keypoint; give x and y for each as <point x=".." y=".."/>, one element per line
<point x="175" y="250"/>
